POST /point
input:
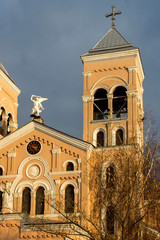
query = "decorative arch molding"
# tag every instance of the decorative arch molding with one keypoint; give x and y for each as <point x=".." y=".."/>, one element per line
<point x="2" y="104"/>
<point x="63" y="186"/>
<point x="50" y="186"/>
<point x="114" y="130"/>
<point x="108" y="164"/>
<point x="69" y="161"/>
<point x="103" y="79"/>
<point x="99" y="87"/>
<point x="32" y="185"/>
<point x="100" y="129"/>
<point x="118" y="85"/>
<point x="104" y="167"/>
<point x="25" y="184"/>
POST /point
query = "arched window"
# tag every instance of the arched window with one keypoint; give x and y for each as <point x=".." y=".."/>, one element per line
<point x="1" y="198"/>
<point x="100" y="107"/>
<point x="119" y="102"/>
<point x="100" y="139"/>
<point x="110" y="176"/>
<point x="70" y="167"/>
<point x="1" y="171"/>
<point x="40" y="200"/>
<point x="110" y="219"/>
<point x="69" y="199"/>
<point x="119" y="137"/>
<point x="26" y="200"/>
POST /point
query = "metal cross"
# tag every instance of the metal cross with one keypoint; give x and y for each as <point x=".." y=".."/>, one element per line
<point x="113" y="15"/>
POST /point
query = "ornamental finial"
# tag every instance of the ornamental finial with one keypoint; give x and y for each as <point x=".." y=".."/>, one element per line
<point x="113" y="14"/>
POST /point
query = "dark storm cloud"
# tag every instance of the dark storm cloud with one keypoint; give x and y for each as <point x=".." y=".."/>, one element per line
<point x="41" y="42"/>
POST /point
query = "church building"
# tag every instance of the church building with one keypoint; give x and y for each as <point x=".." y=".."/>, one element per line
<point x="45" y="173"/>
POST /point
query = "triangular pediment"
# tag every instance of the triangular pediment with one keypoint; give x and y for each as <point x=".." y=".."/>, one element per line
<point x="33" y="125"/>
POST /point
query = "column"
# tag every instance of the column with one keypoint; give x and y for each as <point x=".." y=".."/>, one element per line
<point x="57" y="196"/>
<point x="79" y="164"/>
<point x="7" y="199"/>
<point x="132" y="77"/>
<point x="47" y="203"/>
<point x="79" y="195"/>
<point x="55" y="159"/>
<point x="86" y="76"/>
<point x="132" y="115"/>
<point x="11" y="163"/>
<point x="87" y="115"/>
<point x="33" y="203"/>
<point x="110" y="105"/>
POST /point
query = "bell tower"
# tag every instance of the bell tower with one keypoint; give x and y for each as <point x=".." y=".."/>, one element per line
<point x="8" y="103"/>
<point x="112" y="91"/>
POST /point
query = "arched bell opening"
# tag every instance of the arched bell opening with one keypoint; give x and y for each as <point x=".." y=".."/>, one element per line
<point x="9" y="120"/>
<point x="119" y="102"/>
<point x="100" y="105"/>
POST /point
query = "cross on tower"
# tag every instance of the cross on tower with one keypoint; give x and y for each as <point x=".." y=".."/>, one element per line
<point x="113" y="15"/>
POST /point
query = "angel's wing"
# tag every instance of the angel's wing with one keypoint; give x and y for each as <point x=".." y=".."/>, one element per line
<point x="42" y="99"/>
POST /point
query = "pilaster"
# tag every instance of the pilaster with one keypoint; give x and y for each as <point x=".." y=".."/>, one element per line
<point x="87" y="113"/>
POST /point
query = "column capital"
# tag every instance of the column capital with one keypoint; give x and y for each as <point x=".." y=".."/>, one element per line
<point x="79" y="180"/>
<point x="132" y="93"/>
<point x="11" y="154"/>
<point x="16" y="104"/>
<point x="57" y="181"/>
<point x="13" y="124"/>
<point x="56" y="150"/>
<point x="33" y="193"/>
<point x="87" y="98"/>
<point x="79" y="160"/>
<point x="109" y="95"/>
<point x="5" y="117"/>
<point x="134" y="69"/>
<point x="86" y="74"/>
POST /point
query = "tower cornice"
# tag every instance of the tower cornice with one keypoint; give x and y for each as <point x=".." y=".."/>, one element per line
<point x="115" y="56"/>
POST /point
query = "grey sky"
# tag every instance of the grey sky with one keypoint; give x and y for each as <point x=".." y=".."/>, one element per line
<point x="41" y="42"/>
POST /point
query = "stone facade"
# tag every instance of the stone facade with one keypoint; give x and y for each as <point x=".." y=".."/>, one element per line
<point x="43" y="169"/>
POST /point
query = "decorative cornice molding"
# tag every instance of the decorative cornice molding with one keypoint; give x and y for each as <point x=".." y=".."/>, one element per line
<point x="9" y="82"/>
<point x="46" y="130"/>
<point x="115" y="56"/>
<point x="65" y="173"/>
